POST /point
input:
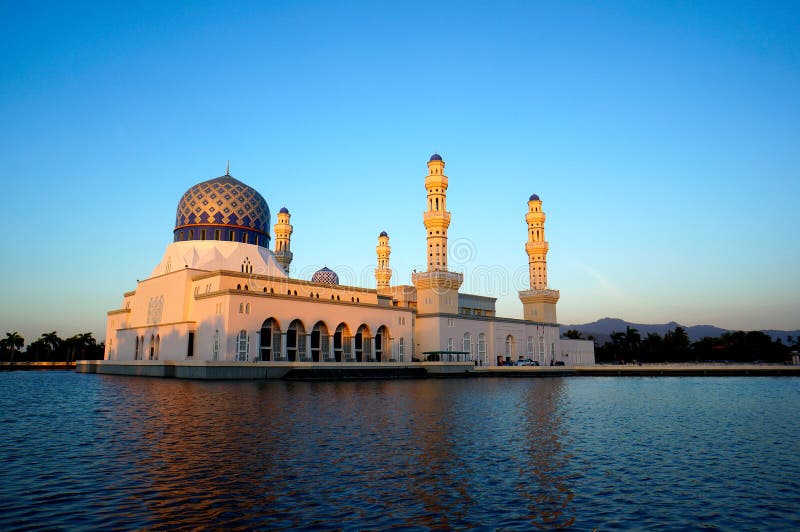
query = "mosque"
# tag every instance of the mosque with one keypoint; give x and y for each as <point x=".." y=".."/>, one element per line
<point x="221" y="294"/>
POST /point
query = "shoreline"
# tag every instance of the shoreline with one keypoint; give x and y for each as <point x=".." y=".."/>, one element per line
<point x="335" y="371"/>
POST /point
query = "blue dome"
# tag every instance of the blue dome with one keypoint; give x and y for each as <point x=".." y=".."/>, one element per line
<point x="326" y="276"/>
<point x="384" y="233"/>
<point x="436" y="157"/>
<point x="284" y="210"/>
<point x="223" y="208"/>
<point x="534" y="197"/>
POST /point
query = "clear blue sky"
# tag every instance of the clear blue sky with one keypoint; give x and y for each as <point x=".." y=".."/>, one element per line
<point x="663" y="138"/>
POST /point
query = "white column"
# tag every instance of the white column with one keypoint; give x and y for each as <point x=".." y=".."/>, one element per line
<point x="283" y="345"/>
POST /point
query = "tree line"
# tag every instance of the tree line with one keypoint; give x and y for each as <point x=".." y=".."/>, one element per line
<point x="49" y="347"/>
<point x="674" y="346"/>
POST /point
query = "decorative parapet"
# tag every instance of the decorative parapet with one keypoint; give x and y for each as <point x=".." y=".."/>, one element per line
<point x="544" y="295"/>
<point x="437" y="279"/>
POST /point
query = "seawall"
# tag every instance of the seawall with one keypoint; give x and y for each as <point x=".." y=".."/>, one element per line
<point x="224" y="370"/>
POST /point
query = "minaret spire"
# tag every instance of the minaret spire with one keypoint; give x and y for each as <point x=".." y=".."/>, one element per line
<point x="383" y="274"/>
<point x="437" y="288"/>
<point x="436" y="218"/>
<point x="539" y="301"/>
<point x="283" y="234"/>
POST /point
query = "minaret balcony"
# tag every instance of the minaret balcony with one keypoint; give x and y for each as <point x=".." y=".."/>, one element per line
<point x="436" y="216"/>
<point x="437" y="279"/>
<point x="539" y="295"/>
<point x="542" y="246"/>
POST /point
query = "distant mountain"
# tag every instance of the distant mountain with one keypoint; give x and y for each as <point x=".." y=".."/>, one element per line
<point x="602" y="329"/>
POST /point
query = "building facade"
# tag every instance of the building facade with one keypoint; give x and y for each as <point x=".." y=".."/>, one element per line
<point x="220" y="293"/>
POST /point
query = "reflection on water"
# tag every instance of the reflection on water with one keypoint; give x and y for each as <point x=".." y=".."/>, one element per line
<point x="90" y="451"/>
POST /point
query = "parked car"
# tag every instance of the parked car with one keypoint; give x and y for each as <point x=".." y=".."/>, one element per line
<point x="526" y="362"/>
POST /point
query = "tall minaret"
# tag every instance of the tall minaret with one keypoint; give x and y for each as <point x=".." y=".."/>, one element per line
<point x="436" y="218"/>
<point x="539" y="302"/>
<point x="283" y="234"/>
<point x="437" y="288"/>
<point x="537" y="246"/>
<point x="383" y="274"/>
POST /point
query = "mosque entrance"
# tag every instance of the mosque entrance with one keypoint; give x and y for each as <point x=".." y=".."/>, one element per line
<point x="382" y="343"/>
<point x="364" y="345"/>
<point x="270" y="340"/>
<point x="296" y="341"/>
<point x="319" y="343"/>
<point x="342" y="344"/>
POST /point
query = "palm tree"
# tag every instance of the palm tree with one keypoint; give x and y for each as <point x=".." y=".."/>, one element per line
<point x="80" y="342"/>
<point x="14" y="341"/>
<point x="52" y="341"/>
<point x="633" y="341"/>
<point x="618" y="342"/>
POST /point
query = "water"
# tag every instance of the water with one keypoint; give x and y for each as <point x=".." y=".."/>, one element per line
<point x="91" y="451"/>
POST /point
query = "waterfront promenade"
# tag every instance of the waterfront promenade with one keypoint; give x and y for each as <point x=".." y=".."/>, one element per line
<point x="222" y="370"/>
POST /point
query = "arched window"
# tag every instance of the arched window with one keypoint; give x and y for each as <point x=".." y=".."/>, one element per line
<point x="242" y="346"/>
<point x="510" y="347"/>
<point x="215" y="346"/>
<point x="152" y="346"/>
<point x="530" y="347"/>
<point x="467" y="343"/>
<point x="247" y="308"/>
<point x="238" y="287"/>
<point x="158" y="345"/>
<point x="241" y="308"/>
<point x="136" y="350"/>
<point x="401" y="350"/>
<point x="482" y="347"/>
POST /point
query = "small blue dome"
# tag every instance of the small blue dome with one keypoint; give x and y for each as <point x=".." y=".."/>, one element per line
<point x="284" y="210"/>
<point x="534" y="197"/>
<point x="384" y="233"/>
<point x="326" y="276"/>
<point x="436" y="157"/>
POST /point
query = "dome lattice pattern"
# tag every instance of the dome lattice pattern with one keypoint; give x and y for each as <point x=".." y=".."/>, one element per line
<point x="326" y="276"/>
<point x="224" y="202"/>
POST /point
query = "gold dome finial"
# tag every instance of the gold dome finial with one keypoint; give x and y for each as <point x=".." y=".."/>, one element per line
<point x="228" y="168"/>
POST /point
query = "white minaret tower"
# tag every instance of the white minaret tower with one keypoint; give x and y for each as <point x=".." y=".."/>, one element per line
<point x="283" y="234"/>
<point x="539" y="302"/>
<point x="437" y="288"/>
<point x="383" y="274"/>
<point x="436" y="218"/>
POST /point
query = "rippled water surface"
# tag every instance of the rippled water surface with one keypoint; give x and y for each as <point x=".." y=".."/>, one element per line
<point x="92" y="451"/>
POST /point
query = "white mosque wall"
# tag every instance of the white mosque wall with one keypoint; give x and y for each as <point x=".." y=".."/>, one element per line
<point x="577" y="352"/>
<point x="211" y="255"/>
<point x="503" y="337"/>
